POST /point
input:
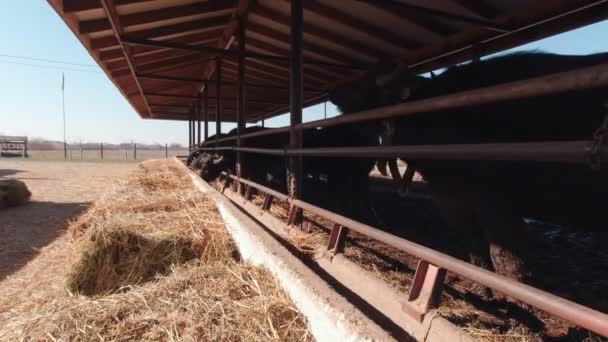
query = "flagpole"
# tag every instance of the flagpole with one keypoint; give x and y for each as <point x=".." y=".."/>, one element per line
<point x="65" y="146"/>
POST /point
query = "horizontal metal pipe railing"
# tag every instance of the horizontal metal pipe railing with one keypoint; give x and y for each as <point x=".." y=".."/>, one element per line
<point x="585" y="78"/>
<point x="273" y="193"/>
<point x="583" y="316"/>
<point x="549" y="151"/>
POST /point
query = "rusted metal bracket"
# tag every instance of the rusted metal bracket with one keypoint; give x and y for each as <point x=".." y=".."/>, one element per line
<point x="425" y="291"/>
<point x="226" y="182"/>
<point x="337" y="240"/>
<point x="247" y="194"/>
<point x="295" y="216"/>
<point x="267" y="202"/>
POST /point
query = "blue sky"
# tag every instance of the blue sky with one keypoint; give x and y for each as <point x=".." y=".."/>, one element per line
<point x="30" y="100"/>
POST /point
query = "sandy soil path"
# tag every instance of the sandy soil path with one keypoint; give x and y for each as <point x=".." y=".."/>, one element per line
<point x="60" y="191"/>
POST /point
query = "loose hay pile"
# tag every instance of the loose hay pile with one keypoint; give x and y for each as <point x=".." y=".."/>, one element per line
<point x="152" y="260"/>
<point x="13" y="193"/>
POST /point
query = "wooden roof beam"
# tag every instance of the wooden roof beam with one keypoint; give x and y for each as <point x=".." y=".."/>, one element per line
<point x="172" y="64"/>
<point x="227" y="38"/>
<point x="195" y="38"/>
<point x="261" y="74"/>
<point x="319" y="32"/>
<point x="185" y="28"/>
<point x="481" y="8"/>
<point x="426" y="23"/>
<point x="110" y="9"/>
<point x="426" y="11"/>
<point x="330" y="67"/>
<point x="164" y="65"/>
<point x="196" y="80"/>
<point x="205" y="49"/>
<point x="194" y="97"/>
<point x="359" y="25"/>
<point x="181" y="89"/>
<point x="179" y="96"/>
<point x="312" y="75"/>
<point x="210" y="7"/>
<point x="86" y="5"/>
<point x="317" y="48"/>
<point x="152" y="57"/>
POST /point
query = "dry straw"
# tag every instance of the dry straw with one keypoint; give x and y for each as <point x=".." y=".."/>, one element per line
<point x="152" y="260"/>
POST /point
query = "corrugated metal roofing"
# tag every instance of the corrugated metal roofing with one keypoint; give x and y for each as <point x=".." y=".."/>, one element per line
<point x="341" y="39"/>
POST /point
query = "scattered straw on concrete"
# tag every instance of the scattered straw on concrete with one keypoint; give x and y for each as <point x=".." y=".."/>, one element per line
<point x="152" y="260"/>
<point x="13" y="193"/>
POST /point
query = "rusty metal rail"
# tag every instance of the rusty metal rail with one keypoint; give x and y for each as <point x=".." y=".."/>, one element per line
<point x="585" y="78"/>
<point x="585" y="317"/>
<point x="548" y="151"/>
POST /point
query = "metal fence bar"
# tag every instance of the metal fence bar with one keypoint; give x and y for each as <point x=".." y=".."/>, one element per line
<point x="546" y="151"/>
<point x="273" y="193"/>
<point x="585" y="78"/>
<point x="585" y="317"/>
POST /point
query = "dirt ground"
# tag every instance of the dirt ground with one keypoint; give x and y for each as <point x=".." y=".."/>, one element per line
<point x="60" y="191"/>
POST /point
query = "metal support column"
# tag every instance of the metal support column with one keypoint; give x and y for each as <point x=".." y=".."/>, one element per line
<point x="241" y="109"/>
<point x="189" y="134"/>
<point x="193" y="127"/>
<point x="206" y="112"/>
<point x="198" y="121"/>
<point x="218" y="105"/>
<point x="296" y="99"/>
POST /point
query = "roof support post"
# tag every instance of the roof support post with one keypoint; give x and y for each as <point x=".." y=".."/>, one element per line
<point x="193" y="119"/>
<point x="241" y="109"/>
<point x="218" y="98"/>
<point x="192" y="128"/>
<point x="296" y="99"/>
<point x="206" y="112"/>
<point x="189" y="134"/>
<point x="198" y="121"/>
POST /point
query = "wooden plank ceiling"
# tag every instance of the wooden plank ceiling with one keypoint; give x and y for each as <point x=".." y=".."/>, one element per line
<point x="342" y="39"/>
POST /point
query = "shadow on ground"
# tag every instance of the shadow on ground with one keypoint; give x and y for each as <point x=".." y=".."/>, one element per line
<point x="9" y="172"/>
<point x="27" y="229"/>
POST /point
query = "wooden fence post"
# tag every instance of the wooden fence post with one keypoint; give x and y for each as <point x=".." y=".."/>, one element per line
<point x="24" y="152"/>
<point x="134" y="151"/>
<point x="166" y="151"/>
<point x="101" y="150"/>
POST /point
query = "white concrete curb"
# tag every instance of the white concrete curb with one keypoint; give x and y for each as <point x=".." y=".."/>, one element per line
<point x="326" y="318"/>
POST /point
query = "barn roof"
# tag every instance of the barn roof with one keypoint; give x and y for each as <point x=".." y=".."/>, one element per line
<point x="160" y="53"/>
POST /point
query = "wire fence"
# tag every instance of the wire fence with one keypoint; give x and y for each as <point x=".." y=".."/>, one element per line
<point x="76" y="152"/>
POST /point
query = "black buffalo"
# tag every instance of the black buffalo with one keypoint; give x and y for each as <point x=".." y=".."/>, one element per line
<point x="491" y="199"/>
<point x="339" y="184"/>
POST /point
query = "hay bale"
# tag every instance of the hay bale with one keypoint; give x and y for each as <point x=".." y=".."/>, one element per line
<point x="122" y="257"/>
<point x="128" y="247"/>
<point x="13" y="193"/>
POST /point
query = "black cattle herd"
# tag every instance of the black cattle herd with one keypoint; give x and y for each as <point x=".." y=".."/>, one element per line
<point x="486" y="201"/>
